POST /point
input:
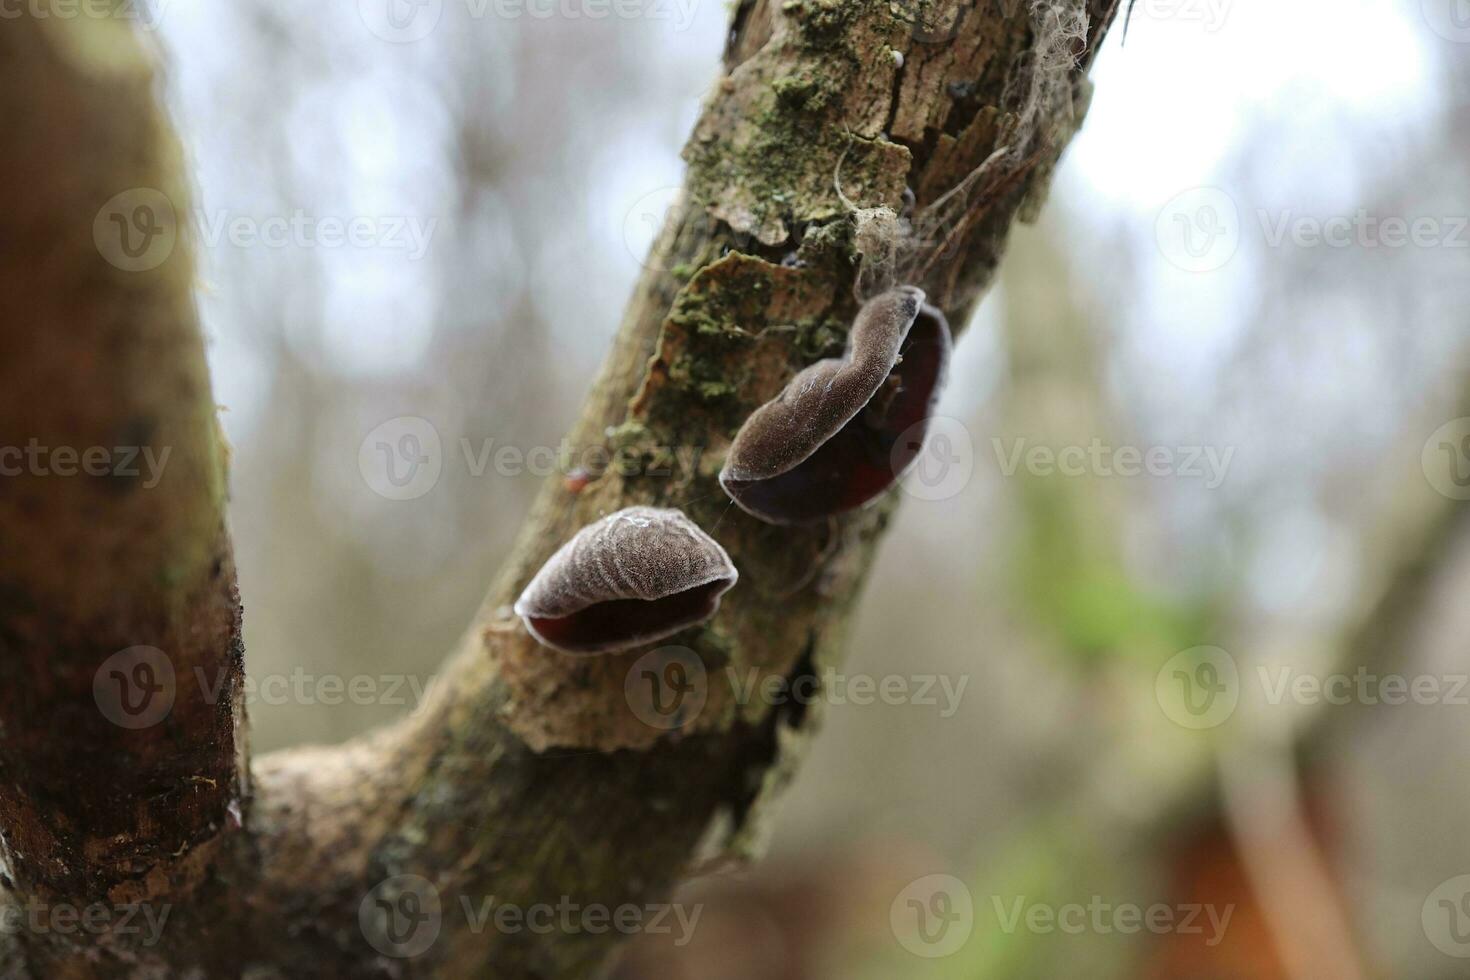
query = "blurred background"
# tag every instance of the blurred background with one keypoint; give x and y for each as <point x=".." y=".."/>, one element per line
<point x="1178" y="662"/>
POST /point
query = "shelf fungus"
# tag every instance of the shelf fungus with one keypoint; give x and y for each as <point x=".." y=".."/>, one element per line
<point x="844" y="429"/>
<point x="636" y="576"/>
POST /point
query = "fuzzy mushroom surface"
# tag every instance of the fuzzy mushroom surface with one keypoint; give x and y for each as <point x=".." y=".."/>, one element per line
<point x="638" y="575"/>
<point x="844" y="429"/>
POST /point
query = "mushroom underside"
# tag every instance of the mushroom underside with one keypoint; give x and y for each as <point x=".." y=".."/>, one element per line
<point x="621" y="623"/>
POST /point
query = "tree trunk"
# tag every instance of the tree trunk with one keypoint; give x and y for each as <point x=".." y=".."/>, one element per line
<point x="548" y="782"/>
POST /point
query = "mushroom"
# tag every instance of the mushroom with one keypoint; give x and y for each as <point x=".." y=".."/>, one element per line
<point x="639" y="575"/>
<point x="844" y="429"/>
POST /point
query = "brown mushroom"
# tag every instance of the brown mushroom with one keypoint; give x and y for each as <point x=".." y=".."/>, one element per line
<point x="639" y="575"/>
<point x="844" y="429"/>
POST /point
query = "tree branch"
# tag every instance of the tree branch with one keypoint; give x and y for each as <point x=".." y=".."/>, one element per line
<point x="119" y="767"/>
<point x="531" y="776"/>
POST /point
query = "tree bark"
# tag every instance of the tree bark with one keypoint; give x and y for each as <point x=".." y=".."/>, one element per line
<point x="537" y="778"/>
<point x="118" y="770"/>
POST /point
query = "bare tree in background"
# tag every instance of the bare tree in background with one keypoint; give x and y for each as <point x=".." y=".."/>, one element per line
<point x="126" y="782"/>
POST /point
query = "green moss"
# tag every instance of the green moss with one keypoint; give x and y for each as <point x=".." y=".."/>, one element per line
<point x="818" y="337"/>
<point x="705" y="378"/>
<point x="719" y="315"/>
<point x="788" y="138"/>
<point x="828" y="242"/>
<point x="822" y="22"/>
<point x="774" y="169"/>
<point x="801" y="93"/>
<point x="715" y="390"/>
<point x="628" y="434"/>
<point x="723" y="310"/>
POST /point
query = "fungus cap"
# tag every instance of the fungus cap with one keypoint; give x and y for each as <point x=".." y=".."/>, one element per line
<point x="844" y="429"/>
<point x="635" y="576"/>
